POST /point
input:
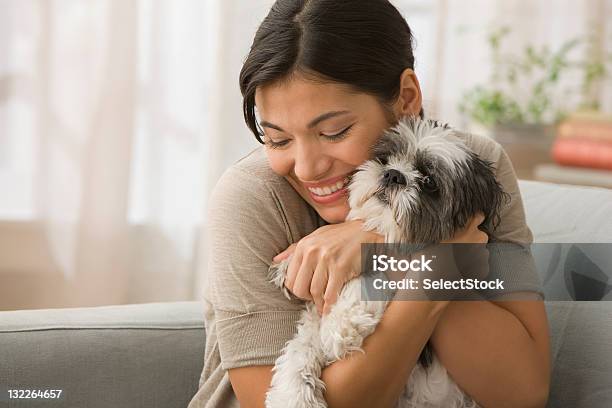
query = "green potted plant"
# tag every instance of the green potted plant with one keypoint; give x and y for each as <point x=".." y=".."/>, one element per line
<point x="525" y="97"/>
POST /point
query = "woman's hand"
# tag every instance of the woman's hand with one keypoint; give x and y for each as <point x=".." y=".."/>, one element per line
<point x="472" y="261"/>
<point x="470" y="234"/>
<point x="469" y="259"/>
<point x="325" y="260"/>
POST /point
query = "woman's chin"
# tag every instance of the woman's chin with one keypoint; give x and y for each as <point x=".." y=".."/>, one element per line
<point x="334" y="214"/>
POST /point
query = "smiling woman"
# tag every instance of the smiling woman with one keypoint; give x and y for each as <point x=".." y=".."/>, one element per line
<point x="323" y="80"/>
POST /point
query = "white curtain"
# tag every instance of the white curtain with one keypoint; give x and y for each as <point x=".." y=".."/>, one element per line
<point x="118" y="116"/>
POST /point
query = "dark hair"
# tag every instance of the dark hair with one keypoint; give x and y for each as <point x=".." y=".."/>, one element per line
<point x="365" y="44"/>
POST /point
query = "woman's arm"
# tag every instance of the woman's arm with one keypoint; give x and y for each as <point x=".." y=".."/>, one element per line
<point x="498" y="352"/>
<point x="375" y="378"/>
<point x="250" y="384"/>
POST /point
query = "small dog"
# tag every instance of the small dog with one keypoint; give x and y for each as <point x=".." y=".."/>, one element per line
<point x="421" y="185"/>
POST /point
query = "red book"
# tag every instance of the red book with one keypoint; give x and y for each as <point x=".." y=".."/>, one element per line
<point x="583" y="153"/>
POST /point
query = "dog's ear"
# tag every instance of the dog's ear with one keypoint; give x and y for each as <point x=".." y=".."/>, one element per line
<point x="385" y="145"/>
<point x="488" y="194"/>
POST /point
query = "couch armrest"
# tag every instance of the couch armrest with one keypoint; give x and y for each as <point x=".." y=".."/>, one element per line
<point x="146" y="355"/>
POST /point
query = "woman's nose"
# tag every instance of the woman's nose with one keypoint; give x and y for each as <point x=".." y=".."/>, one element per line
<point x="310" y="162"/>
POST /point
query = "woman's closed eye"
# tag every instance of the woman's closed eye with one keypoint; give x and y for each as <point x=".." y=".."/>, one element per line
<point x="338" y="136"/>
<point x="335" y="137"/>
<point x="277" y="144"/>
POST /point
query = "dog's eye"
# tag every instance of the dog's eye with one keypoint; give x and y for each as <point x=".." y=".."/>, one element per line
<point x="429" y="184"/>
<point x="383" y="160"/>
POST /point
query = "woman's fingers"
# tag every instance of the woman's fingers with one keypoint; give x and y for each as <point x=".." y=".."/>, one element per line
<point x="320" y="256"/>
<point x="473" y="223"/>
<point x="301" y="287"/>
<point x="478" y="219"/>
<point x="292" y="270"/>
<point x="334" y="286"/>
<point x="303" y="278"/>
<point x="482" y="236"/>
<point x="319" y="283"/>
<point x="470" y="233"/>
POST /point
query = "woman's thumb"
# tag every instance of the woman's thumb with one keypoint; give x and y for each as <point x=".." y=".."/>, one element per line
<point x="285" y="254"/>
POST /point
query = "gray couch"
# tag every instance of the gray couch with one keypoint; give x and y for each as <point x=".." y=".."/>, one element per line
<point x="150" y="355"/>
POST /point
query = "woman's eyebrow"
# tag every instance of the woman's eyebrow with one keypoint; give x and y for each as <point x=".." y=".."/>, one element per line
<point x="312" y="124"/>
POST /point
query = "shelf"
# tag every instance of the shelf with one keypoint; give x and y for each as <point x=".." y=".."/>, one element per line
<point x="554" y="173"/>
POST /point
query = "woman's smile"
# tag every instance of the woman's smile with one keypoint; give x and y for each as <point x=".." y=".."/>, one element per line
<point x="330" y="190"/>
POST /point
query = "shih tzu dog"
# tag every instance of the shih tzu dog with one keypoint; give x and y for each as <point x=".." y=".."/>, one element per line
<point x="421" y="185"/>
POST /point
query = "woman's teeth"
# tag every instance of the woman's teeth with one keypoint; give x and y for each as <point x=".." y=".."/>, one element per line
<point x="325" y="191"/>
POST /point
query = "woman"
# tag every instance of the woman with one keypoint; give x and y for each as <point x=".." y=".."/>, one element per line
<point x="327" y="77"/>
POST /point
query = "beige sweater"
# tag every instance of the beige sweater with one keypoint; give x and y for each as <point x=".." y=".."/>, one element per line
<point x="254" y="214"/>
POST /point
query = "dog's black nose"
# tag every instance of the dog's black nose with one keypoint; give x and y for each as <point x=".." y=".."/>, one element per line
<point x="392" y="177"/>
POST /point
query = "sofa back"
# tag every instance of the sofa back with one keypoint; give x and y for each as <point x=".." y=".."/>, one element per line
<point x="564" y="213"/>
<point x="568" y="218"/>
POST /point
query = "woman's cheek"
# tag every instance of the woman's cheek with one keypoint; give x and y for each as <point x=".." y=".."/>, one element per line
<point x="279" y="163"/>
<point x="356" y="152"/>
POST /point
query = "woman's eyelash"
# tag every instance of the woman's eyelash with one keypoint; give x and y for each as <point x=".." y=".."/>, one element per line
<point x="337" y="136"/>
<point x="277" y="145"/>
<point x="340" y="135"/>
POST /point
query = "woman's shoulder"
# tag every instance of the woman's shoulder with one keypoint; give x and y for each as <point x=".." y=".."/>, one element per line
<point x="484" y="146"/>
<point x="250" y="188"/>
<point x="513" y="225"/>
<point x="252" y="177"/>
<point x="255" y="165"/>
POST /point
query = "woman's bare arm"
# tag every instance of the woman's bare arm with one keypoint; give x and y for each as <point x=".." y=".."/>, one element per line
<point x="375" y="378"/>
<point x="250" y="384"/>
<point x="498" y="352"/>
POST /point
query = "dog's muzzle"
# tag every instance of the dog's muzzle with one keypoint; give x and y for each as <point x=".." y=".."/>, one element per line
<point x="393" y="177"/>
<point x="391" y="180"/>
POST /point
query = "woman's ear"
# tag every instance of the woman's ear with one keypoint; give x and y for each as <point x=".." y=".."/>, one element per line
<point x="410" y="98"/>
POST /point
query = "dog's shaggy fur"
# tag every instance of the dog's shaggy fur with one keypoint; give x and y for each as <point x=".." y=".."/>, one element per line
<point x="421" y="185"/>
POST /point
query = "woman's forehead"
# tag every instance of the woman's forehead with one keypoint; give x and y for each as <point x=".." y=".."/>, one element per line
<point x="305" y="99"/>
<point x="300" y="91"/>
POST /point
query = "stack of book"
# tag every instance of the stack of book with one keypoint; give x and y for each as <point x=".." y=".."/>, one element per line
<point x="582" y="152"/>
<point x="584" y="140"/>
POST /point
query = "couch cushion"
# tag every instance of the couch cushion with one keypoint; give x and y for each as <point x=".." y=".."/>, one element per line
<point x="563" y="213"/>
<point x="581" y="348"/>
<point x="572" y="248"/>
<point x="581" y="332"/>
<point x="147" y="355"/>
